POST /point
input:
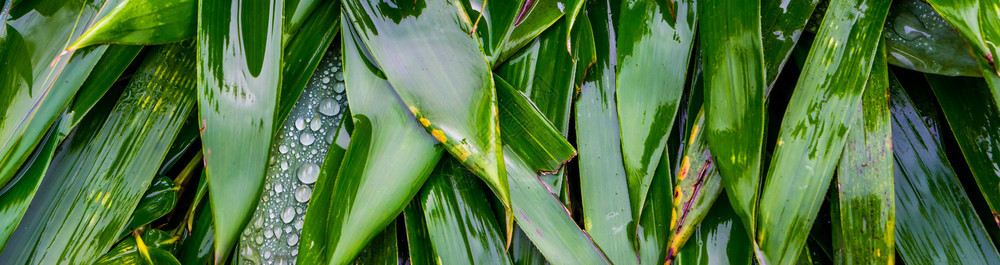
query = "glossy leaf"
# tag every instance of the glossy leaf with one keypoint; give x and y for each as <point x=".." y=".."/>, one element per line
<point x="735" y="109"/>
<point x="979" y="23"/>
<point x="698" y="185"/>
<point x="607" y="213"/>
<point x="545" y="220"/>
<point x="527" y="131"/>
<point x="653" y="232"/>
<point x="197" y="246"/>
<point x="535" y="17"/>
<point x="303" y="53"/>
<point x="297" y="13"/>
<point x="239" y="63"/>
<point x="720" y="239"/>
<point x="96" y="180"/>
<point x="444" y="78"/>
<point x="381" y="250"/>
<point x="864" y="177"/>
<point x="105" y="74"/>
<point x="653" y="48"/>
<point x="143" y="22"/>
<point x="918" y="38"/>
<point x="128" y="251"/>
<point x="386" y="163"/>
<point x="935" y="219"/>
<point x="975" y="122"/>
<point x="493" y="22"/>
<point x="460" y="221"/>
<point x="417" y="238"/>
<point x="158" y="201"/>
<point x="782" y="22"/>
<point x="297" y="152"/>
<point x="35" y="43"/>
<point x="312" y="249"/>
<point x="17" y="195"/>
<point x="815" y="126"/>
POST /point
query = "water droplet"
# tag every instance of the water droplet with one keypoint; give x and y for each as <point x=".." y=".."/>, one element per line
<point x="315" y="124"/>
<point x="303" y="193"/>
<point x="283" y="149"/>
<point x="267" y="254"/>
<point x="329" y="107"/>
<point x="288" y="214"/>
<point x="307" y="138"/>
<point x="259" y="239"/>
<point x="298" y="225"/>
<point x="268" y="233"/>
<point x="279" y="188"/>
<point x="308" y="173"/>
<point x="284" y="165"/>
<point x="326" y="80"/>
<point x="339" y="88"/>
<point x="293" y="239"/>
<point x="258" y="222"/>
<point x="300" y="124"/>
<point x="340" y="76"/>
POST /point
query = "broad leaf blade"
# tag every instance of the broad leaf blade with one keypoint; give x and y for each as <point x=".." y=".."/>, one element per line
<point x="720" y="239"/>
<point x="815" y="126"/>
<point x="653" y="48"/>
<point x="782" y="23"/>
<point x="312" y="249"/>
<point x="239" y="64"/>
<point x="386" y="163"/>
<point x="698" y="185"/>
<point x="17" y="195"/>
<point x="526" y="130"/>
<point x="734" y="98"/>
<point x="143" y="22"/>
<point x="460" y="221"/>
<point x="443" y="78"/>
<point x="105" y="74"/>
<point x="935" y="219"/>
<point x="98" y="179"/>
<point x="864" y="177"/>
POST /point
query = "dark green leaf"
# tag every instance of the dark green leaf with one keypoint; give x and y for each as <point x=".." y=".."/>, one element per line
<point x="159" y="200"/>
<point x="781" y="23"/>
<point x="238" y="76"/>
<point x="527" y="131"/>
<point x="381" y="250"/>
<point x="417" y="240"/>
<point x="17" y="195"/>
<point x="143" y="22"/>
<point x="104" y="75"/>
<point x="698" y="185"/>
<point x="720" y="239"/>
<point x="196" y="249"/>
<point x="312" y="249"/>
<point x="303" y="53"/>
<point x="815" y="126"/>
<point x="653" y="48"/>
<point x="128" y="251"/>
<point x="918" y="38"/>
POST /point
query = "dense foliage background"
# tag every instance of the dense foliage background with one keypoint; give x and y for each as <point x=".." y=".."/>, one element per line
<point x="499" y="132"/>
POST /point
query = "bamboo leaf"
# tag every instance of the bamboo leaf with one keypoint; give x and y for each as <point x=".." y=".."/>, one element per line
<point x="918" y="38"/>
<point x="936" y="221"/>
<point x="143" y="22"/>
<point x="734" y="98"/>
<point x="386" y="163"/>
<point x="303" y="53"/>
<point x="30" y="96"/>
<point x="975" y="122"/>
<point x="545" y="220"/>
<point x="653" y="48"/>
<point x="238" y="76"/>
<point x="815" y="126"/>
<point x="297" y="151"/>
<point x="528" y="133"/>
<point x="460" y="221"/>
<point x="698" y="185"/>
<point x="864" y="177"/>
<point x="444" y="78"/>
<point x="96" y="180"/>
<point x="607" y="213"/>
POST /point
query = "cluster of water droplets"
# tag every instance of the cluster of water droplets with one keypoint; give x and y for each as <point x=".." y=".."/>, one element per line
<point x="297" y="153"/>
<point x="917" y="37"/>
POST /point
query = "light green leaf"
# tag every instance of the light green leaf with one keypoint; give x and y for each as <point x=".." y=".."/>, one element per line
<point x="143" y="22"/>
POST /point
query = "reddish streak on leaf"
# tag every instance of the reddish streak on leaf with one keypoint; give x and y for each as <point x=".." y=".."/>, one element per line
<point x="524" y="11"/>
<point x="687" y="206"/>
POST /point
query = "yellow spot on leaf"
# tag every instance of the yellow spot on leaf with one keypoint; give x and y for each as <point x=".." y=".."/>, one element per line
<point x="673" y="218"/>
<point x="677" y="195"/>
<point x="414" y="110"/>
<point x="462" y="153"/>
<point x="439" y="135"/>
<point x="694" y="131"/>
<point x="685" y="165"/>
<point x="425" y="122"/>
<point x="733" y="159"/>
<point x="780" y="141"/>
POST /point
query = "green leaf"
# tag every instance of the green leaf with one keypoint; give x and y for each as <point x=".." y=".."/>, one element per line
<point x="526" y="130"/>
<point x="522" y="251"/>
<point x="298" y="149"/>
<point x="196" y="248"/>
<point x="298" y="12"/>
<point x="698" y="185"/>
<point x="105" y="74"/>
<point x="815" y="126"/>
<point x="534" y="17"/>
<point x="653" y="47"/>
<point x="158" y="201"/>
<point x="17" y="195"/>
<point x="735" y="109"/>
<point x="975" y="121"/>
<point x="781" y="26"/>
<point x="238" y="77"/>
<point x="607" y="214"/>
<point x="143" y="22"/>
<point x="417" y="238"/>
<point x="102" y="171"/>
<point x="386" y="163"/>
<point x="935" y="219"/>
<point x="303" y="53"/>
<point x="34" y="46"/>
<point x="545" y="220"/>
<point x="979" y="23"/>
<point x="493" y="22"/>
<point x="443" y="78"/>
<point x="312" y="246"/>
<point x="653" y="232"/>
<point x="720" y="239"/>
<point x="918" y="38"/>
<point x="460" y="221"/>
<point x="128" y="251"/>
<point x="381" y="250"/>
<point x="864" y="177"/>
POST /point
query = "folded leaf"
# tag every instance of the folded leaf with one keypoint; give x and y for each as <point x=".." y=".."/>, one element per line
<point x="143" y="22"/>
<point x="527" y="131"/>
<point x="158" y="201"/>
<point x="238" y="76"/>
<point x="815" y="126"/>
